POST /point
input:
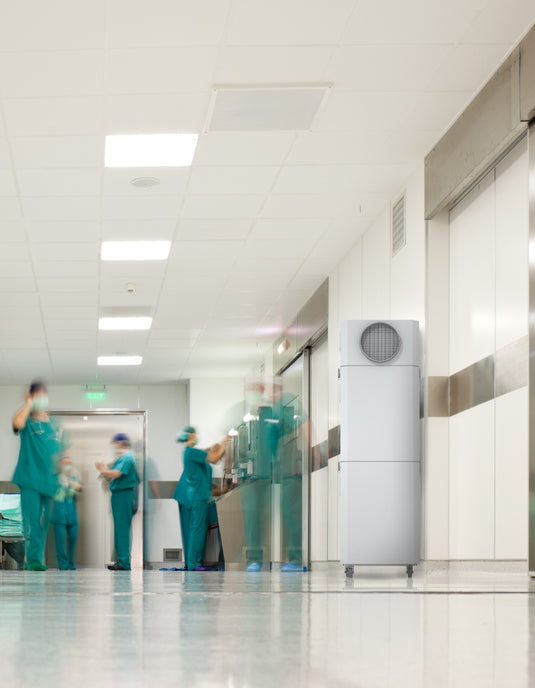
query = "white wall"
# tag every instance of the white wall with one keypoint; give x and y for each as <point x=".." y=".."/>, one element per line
<point x="488" y="488"/>
<point x="215" y="404"/>
<point x="369" y="283"/>
<point x="167" y="413"/>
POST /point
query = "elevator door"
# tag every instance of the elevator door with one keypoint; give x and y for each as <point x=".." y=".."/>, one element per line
<point x="90" y="439"/>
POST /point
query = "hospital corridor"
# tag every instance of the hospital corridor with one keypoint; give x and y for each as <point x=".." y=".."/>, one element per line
<point x="267" y="344"/>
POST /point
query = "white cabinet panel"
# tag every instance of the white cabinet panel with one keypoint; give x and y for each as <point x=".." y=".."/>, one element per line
<point x="319" y="501"/>
<point x="512" y="247"/>
<point x="472" y="483"/>
<point x="512" y="475"/>
<point x="472" y="277"/>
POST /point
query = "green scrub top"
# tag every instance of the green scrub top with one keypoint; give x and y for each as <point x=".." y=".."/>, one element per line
<point x="195" y="483"/>
<point x="127" y="465"/>
<point x="40" y="444"/>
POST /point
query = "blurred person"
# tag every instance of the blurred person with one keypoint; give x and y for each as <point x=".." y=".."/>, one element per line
<point x="65" y="515"/>
<point x="123" y="479"/>
<point x="41" y="441"/>
<point x="193" y="494"/>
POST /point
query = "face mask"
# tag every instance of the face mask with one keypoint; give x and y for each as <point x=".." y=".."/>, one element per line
<point x="119" y="451"/>
<point x="40" y="403"/>
<point x="66" y="468"/>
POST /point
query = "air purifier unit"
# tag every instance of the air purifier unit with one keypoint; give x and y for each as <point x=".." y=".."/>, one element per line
<point x="380" y="444"/>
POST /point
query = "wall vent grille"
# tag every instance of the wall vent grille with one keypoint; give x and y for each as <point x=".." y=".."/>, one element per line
<point x="172" y="555"/>
<point x="398" y="225"/>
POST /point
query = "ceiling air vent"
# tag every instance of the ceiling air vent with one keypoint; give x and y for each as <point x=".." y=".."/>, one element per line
<point x="398" y="224"/>
<point x="265" y="108"/>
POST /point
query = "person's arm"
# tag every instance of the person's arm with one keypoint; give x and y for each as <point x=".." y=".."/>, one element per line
<point x="216" y="452"/>
<point x="108" y="473"/>
<point x="20" y="418"/>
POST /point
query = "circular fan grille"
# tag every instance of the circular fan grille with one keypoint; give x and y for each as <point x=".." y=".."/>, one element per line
<point x="380" y="343"/>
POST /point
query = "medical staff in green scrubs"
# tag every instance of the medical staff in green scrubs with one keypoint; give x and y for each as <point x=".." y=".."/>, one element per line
<point x="193" y="494"/>
<point x="41" y="441"/>
<point x="123" y="479"/>
<point x="64" y="515"/>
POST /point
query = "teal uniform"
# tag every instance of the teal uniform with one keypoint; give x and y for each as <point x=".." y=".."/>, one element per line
<point x="35" y="474"/>
<point x="193" y="494"/>
<point x="65" y="520"/>
<point x="122" y="505"/>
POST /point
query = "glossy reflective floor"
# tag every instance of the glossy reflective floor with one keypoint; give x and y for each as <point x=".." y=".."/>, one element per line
<point x="95" y="628"/>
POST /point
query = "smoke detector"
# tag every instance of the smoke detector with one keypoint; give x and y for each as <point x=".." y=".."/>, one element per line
<point x="145" y="182"/>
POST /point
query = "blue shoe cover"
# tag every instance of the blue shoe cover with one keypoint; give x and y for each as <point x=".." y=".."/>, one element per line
<point x="289" y="568"/>
<point x="254" y="568"/>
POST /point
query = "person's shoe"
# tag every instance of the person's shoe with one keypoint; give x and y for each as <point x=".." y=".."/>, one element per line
<point x="116" y="567"/>
<point x="63" y="568"/>
<point x="36" y="566"/>
<point x="72" y="567"/>
<point x="204" y="568"/>
<point x="292" y="568"/>
<point x="255" y="567"/>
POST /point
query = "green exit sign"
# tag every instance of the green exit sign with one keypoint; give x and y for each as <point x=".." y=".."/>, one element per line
<point x="95" y="396"/>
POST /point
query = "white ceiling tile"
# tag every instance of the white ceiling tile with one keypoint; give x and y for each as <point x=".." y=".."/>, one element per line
<point x="12" y="231"/>
<point x="232" y="180"/>
<point x="140" y="208"/>
<point x="66" y="268"/>
<point x="5" y="156"/>
<point x="147" y="291"/>
<point x="310" y="280"/>
<point x="68" y="324"/>
<point x="272" y="65"/>
<point x="65" y="251"/>
<point x="281" y="23"/>
<point x="161" y="70"/>
<point x="304" y="206"/>
<point x="220" y="206"/>
<point x="58" y="151"/>
<point x="67" y="312"/>
<point x="385" y="67"/>
<point x="370" y="112"/>
<point x="243" y="148"/>
<point x="276" y="250"/>
<point x="212" y="230"/>
<point x="72" y="284"/>
<point x="121" y="341"/>
<point x="16" y="268"/>
<point x="61" y="208"/>
<point x="63" y="232"/>
<point x="468" y="67"/>
<point x="49" y="182"/>
<point x="21" y="341"/>
<point x="340" y="178"/>
<point x="55" y="25"/>
<point x="9" y="209"/>
<point x="133" y="270"/>
<point x="12" y="251"/>
<point x="54" y="116"/>
<point x="65" y="298"/>
<point x="16" y="284"/>
<point x="412" y="21"/>
<point x="118" y="230"/>
<point x="19" y="300"/>
<point x="166" y="22"/>
<point x="434" y="110"/>
<point x="117" y="181"/>
<point x="7" y="183"/>
<point x="45" y="74"/>
<point x="281" y="229"/>
<point x="186" y="251"/>
<point x="500" y="23"/>
<point x="155" y="113"/>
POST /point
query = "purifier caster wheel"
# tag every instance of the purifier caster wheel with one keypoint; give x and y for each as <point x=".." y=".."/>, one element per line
<point x="410" y="571"/>
<point x="350" y="571"/>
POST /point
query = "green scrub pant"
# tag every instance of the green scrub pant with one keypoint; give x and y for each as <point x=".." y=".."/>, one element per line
<point x="292" y="518"/>
<point x="64" y="532"/>
<point x="36" y="510"/>
<point x="122" y="507"/>
<point x="194" y="526"/>
<point x="255" y="501"/>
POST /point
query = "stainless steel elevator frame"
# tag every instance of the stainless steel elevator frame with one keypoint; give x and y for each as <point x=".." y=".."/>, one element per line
<point x="531" y="326"/>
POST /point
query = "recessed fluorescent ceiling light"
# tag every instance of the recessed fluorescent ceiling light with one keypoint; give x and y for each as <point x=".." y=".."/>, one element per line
<point x="150" y="150"/>
<point x="124" y="323"/>
<point x="119" y="360"/>
<point x="135" y="250"/>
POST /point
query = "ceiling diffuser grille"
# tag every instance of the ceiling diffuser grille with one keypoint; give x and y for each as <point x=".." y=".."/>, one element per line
<point x="398" y="225"/>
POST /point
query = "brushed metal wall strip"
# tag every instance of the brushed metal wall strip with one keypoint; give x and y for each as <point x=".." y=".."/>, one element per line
<point x="7" y="487"/>
<point x="511" y="367"/>
<point x="438" y="396"/>
<point x="472" y="386"/>
<point x="531" y="321"/>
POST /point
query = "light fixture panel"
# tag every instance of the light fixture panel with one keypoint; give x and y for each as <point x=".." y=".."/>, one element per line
<point x="149" y="150"/>
<point x="135" y="250"/>
<point x="119" y="360"/>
